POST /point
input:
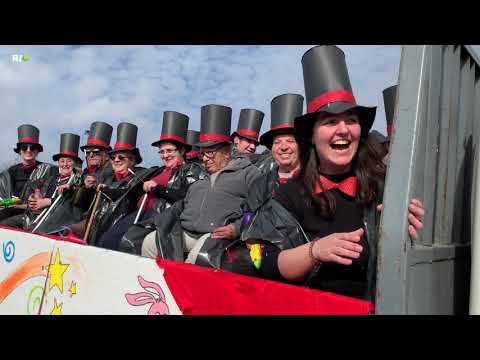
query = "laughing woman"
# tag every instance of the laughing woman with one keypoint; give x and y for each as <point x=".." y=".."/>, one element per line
<point x="336" y="199"/>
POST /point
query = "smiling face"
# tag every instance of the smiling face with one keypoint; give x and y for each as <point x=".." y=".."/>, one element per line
<point x="65" y="166"/>
<point x="336" y="139"/>
<point x="170" y="153"/>
<point x="95" y="156"/>
<point x="216" y="157"/>
<point x="122" y="161"/>
<point x="244" y="145"/>
<point x="285" y="152"/>
<point x="28" y="153"/>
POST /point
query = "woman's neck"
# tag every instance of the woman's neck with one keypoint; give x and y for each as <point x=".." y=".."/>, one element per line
<point x="287" y="171"/>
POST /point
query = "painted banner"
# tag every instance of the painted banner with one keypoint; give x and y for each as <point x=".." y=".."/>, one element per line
<point x="39" y="275"/>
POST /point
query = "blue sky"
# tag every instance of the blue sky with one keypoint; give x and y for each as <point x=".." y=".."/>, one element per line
<point x="65" y="88"/>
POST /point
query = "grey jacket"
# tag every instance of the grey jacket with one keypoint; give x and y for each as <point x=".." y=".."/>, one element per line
<point x="208" y="206"/>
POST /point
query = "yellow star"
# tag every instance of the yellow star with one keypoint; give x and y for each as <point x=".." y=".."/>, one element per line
<point x="56" y="272"/>
<point x="73" y="289"/>
<point x="57" y="308"/>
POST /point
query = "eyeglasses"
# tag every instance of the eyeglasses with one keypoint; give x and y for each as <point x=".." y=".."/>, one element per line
<point x="92" y="152"/>
<point x="209" y="154"/>
<point x="28" y="147"/>
<point x="167" y="151"/>
<point x="120" y="157"/>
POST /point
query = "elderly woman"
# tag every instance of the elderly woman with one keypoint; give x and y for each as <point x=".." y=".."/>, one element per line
<point x="336" y="200"/>
<point x="46" y="190"/>
<point x="18" y="180"/>
<point x="211" y="213"/>
<point x="165" y="185"/>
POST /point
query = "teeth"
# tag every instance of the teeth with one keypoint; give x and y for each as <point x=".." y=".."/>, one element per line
<point x="341" y="142"/>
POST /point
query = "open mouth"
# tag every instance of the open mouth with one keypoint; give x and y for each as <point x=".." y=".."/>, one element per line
<point x="340" y="145"/>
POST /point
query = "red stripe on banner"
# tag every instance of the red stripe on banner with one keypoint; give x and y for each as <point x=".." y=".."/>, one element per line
<point x="124" y="146"/>
<point x="282" y="126"/>
<point x="97" y="142"/>
<point x="248" y="132"/>
<point x="330" y="97"/>
<point x="202" y="291"/>
<point x="389" y="130"/>
<point x="173" y="137"/>
<point x="69" y="238"/>
<point x="28" y="139"/>
<point x="214" y="137"/>
<point x="67" y="152"/>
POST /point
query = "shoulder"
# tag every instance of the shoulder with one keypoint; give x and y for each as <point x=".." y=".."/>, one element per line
<point x="292" y="194"/>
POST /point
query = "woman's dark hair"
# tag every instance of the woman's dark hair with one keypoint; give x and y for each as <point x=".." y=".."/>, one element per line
<point x="367" y="165"/>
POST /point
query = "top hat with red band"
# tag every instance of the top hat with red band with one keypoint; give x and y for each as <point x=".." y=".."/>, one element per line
<point x="69" y="144"/>
<point x="193" y="137"/>
<point x="127" y="140"/>
<point x="390" y="99"/>
<point x="328" y="89"/>
<point x="99" y="136"/>
<point x="249" y="124"/>
<point x="215" y="124"/>
<point x="28" y="134"/>
<point x="284" y="109"/>
<point x="174" y="128"/>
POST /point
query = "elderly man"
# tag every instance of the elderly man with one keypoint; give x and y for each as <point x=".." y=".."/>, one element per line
<point x="245" y="138"/>
<point x="18" y="179"/>
<point x="99" y="168"/>
<point x="211" y="213"/>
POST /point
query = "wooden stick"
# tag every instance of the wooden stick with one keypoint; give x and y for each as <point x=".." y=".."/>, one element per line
<point x="92" y="215"/>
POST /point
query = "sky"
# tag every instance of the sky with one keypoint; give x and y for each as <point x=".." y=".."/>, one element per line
<point x="66" y="88"/>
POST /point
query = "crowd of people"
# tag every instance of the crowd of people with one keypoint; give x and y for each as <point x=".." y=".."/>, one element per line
<point x="305" y="211"/>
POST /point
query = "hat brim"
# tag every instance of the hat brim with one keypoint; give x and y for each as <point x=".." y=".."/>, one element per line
<point x="186" y="146"/>
<point x="246" y="137"/>
<point x="304" y="124"/>
<point x="17" y="149"/>
<point x="211" y="143"/>
<point x="267" y="138"/>
<point x="56" y="157"/>
<point x="379" y="137"/>
<point x="107" y="149"/>
<point x="135" y="152"/>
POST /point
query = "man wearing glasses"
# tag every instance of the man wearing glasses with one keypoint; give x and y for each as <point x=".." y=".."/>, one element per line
<point x="211" y="213"/>
<point x="18" y="180"/>
<point x="99" y="168"/>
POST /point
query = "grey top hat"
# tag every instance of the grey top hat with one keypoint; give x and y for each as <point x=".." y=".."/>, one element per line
<point x="249" y="124"/>
<point x="328" y="89"/>
<point x="215" y="124"/>
<point x="99" y="135"/>
<point x="284" y="109"/>
<point x="192" y="139"/>
<point x="127" y="140"/>
<point x="28" y="134"/>
<point x="69" y="144"/>
<point x="389" y="99"/>
<point x="174" y="128"/>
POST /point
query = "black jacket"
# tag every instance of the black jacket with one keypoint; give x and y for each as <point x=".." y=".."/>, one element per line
<point x="177" y="186"/>
<point x="272" y="223"/>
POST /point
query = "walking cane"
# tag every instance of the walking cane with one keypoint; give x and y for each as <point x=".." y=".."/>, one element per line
<point x="98" y="196"/>
<point x="44" y="214"/>
<point x="141" y="208"/>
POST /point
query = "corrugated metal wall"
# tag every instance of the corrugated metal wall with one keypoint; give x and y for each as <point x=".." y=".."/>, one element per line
<point x="431" y="158"/>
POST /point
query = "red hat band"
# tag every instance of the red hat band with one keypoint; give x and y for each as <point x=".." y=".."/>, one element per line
<point x="97" y="142"/>
<point x="247" y="132"/>
<point x="28" y="139"/>
<point x="124" y="146"/>
<point x="330" y="97"/>
<point x="214" y="137"/>
<point x="172" y="137"/>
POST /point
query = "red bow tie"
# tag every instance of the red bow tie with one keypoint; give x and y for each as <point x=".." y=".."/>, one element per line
<point x="347" y="186"/>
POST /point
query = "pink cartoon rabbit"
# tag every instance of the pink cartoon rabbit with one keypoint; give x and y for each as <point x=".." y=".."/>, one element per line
<point x="155" y="296"/>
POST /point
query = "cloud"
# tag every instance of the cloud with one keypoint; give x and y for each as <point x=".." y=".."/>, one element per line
<point x="65" y="88"/>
